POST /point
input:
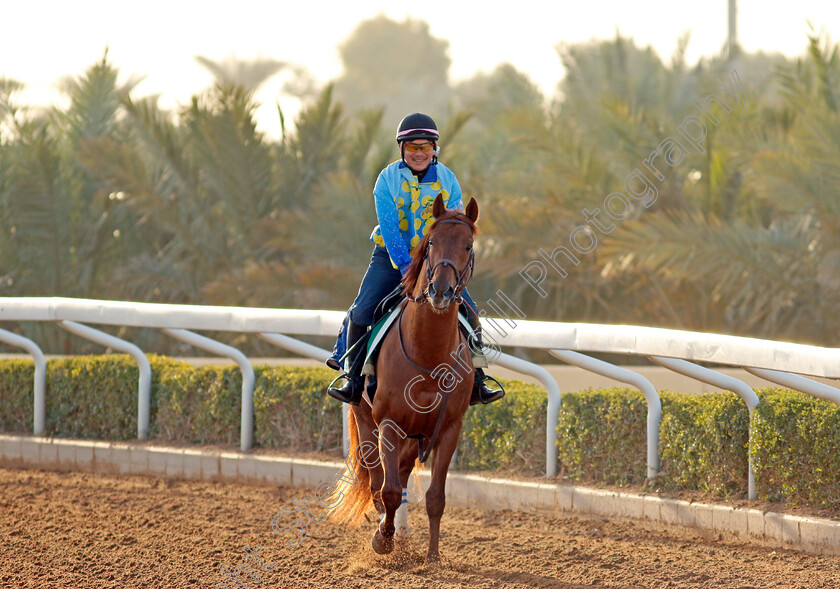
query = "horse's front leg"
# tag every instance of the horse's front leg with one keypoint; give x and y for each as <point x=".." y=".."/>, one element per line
<point x="408" y="455"/>
<point x="390" y="496"/>
<point x="436" y="495"/>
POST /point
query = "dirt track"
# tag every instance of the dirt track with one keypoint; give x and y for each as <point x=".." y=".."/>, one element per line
<point x="83" y="530"/>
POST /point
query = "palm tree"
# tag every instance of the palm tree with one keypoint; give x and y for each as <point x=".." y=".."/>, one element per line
<point x="763" y="251"/>
<point x="63" y="235"/>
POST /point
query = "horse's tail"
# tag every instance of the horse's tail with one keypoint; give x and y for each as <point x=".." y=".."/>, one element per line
<point x="352" y="492"/>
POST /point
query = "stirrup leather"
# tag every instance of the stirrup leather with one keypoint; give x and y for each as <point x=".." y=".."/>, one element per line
<point x="479" y="360"/>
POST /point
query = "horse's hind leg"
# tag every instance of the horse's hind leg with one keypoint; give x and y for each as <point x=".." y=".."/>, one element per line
<point x="368" y="456"/>
<point x="391" y="495"/>
<point x="436" y="495"/>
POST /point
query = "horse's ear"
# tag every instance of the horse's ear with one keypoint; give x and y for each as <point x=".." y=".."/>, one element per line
<point x="438" y="208"/>
<point x="472" y="210"/>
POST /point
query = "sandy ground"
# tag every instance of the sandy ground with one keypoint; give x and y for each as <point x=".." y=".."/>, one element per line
<point x="85" y="530"/>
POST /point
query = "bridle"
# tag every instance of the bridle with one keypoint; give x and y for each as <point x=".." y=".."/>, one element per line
<point x="463" y="275"/>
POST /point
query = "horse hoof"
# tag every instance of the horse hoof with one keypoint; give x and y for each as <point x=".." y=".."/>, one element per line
<point x="381" y="544"/>
<point x="433" y="559"/>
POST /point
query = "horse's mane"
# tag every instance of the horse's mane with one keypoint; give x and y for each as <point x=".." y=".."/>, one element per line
<point x="412" y="274"/>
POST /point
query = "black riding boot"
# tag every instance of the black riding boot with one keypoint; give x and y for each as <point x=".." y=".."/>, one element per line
<point x="481" y="393"/>
<point x="354" y="385"/>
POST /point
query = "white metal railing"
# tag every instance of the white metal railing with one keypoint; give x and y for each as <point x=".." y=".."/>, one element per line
<point x="780" y="362"/>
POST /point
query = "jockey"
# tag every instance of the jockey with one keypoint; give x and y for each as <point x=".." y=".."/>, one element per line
<point x="403" y="195"/>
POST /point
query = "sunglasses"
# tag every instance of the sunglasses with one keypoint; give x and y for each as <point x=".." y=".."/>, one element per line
<point x="414" y="148"/>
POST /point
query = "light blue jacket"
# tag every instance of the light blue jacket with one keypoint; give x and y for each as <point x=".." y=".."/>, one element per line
<point x="404" y="207"/>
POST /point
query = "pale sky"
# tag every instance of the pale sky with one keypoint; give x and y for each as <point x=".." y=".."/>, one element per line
<point x="43" y="40"/>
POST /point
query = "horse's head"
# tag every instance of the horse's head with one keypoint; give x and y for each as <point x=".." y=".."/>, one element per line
<point x="447" y="251"/>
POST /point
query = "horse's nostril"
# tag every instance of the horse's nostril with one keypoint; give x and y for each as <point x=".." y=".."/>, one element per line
<point x="444" y="291"/>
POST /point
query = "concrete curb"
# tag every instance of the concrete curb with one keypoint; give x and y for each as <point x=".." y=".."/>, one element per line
<point x="808" y="534"/>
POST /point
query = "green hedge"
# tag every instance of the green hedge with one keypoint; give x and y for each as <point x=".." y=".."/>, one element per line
<point x="87" y="396"/>
<point x="602" y="437"/>
<point x="96" y="397"/>
<point x="16" y="395"/>
<point x="293" y="412"/>
<point x="704" y="441"/>
<point x="601" y="433"/>
<point x="796" y="449"/>
<point x="200" y="405"/>
<point x="506" y="435"/>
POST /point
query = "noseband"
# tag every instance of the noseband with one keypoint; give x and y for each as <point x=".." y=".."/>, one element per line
<point x="463" y="276"/>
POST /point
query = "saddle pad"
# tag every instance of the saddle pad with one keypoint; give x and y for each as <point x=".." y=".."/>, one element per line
<point x="376" y="335"/>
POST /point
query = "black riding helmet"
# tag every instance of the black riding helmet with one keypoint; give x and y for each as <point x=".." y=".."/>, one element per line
<point x="417" y="126"/>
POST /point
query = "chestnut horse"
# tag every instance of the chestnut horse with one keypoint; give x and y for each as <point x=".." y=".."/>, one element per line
<point x="424" y="377"/>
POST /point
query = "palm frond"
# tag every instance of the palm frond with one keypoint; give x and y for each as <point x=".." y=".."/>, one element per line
<point x="247" y="73"/>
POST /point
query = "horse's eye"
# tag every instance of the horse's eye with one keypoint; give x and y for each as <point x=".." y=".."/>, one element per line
<point x="469" y="247"/>
<point x="430" y="243"/>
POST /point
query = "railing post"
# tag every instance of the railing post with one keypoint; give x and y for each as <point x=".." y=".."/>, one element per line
<point x="246" y="426"/>
<point x="552" y="409"/>
<point x="320" y="354"/>
<point x="296" y="346"/>
<point x="717" y="379"/>
<point x="654" y="414"/>
<point x="144" y="385"/>
<point x="39" y="386"/>
<point x="797" y="383"/>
